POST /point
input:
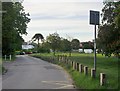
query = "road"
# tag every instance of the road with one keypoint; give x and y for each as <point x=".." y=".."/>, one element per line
<point x="32" y="73"/>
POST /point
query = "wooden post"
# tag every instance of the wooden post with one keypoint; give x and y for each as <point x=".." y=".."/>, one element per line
<point x="93" y="73"/>
<point x="77" y="66"/>
<point x="73" y="65"/>
<point x="80" y="68"/>
<point x="10" y="58"/>
<point x="59" y="58"/>
<point x="62" y="58"/>
<point x="86" y="70"/>
<point x="5" y="57"/>
<point x="102" y="79"/>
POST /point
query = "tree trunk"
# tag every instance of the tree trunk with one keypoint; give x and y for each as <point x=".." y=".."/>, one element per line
<point x="70" y="54"/>
<point x="38" y="43"/>
<point x="53" y="52"/>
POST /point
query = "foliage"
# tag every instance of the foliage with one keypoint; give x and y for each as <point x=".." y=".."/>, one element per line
<point x="43" y="50"/>
<point x="38" y="37"/>
<point x="54" y="41"/>
<point x="87" y="45"/>
<point x="65" y="45"/>
<point x="14" y="24"/>
<point x="75" y="43"/>
<point x="109" y="34"/>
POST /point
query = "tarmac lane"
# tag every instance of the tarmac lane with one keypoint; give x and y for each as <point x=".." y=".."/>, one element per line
<point x="33" y="73"/>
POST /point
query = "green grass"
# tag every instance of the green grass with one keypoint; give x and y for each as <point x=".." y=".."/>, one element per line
<point x="109" y="66"/>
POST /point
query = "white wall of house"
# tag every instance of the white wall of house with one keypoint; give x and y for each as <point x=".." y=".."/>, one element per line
<point x="27" y="46"/>
<point x="88" y="50"/>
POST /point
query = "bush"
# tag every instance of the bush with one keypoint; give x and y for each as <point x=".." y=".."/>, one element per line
<point x="43" y="50"/>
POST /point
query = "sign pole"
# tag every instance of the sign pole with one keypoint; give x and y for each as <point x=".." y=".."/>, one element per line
<point x="94" y="20"/>
<point x="95" y="49"/>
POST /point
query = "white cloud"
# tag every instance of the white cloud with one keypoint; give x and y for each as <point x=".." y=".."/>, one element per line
<point x="71" y="18"/>
<point x="58" y="1"/>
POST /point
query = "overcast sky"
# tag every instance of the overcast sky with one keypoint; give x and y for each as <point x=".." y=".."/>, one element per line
<point x="69" y="18"/>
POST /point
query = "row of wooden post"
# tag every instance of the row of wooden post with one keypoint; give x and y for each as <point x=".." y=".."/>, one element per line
<point x="10" y="57"/>
<point x="81" y="68"/>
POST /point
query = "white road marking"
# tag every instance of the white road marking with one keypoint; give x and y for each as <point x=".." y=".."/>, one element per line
<point x="63" y="84"/>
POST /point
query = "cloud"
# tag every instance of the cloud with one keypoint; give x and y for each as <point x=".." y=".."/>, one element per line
<point x="58" y="1"/>
<point x="71" y="18"/>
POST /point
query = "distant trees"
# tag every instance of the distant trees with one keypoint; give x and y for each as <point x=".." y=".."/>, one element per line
<point x="38" y="37"/>
<point x="60" y="44"/>
<point x="108" y="33"/>
<point x="75" y="43"/>
<point x="54" y="42"/>
<point x="65" y="45"/>
<point x="14" y="24"/>
<point x="88" y="45"/>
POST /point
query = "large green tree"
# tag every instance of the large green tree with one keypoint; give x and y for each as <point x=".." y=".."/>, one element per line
<point x="14" y="24"/>
<point x="0" y="29"/>
<point x="54" y="42"/>
<point x="109" y="31"/>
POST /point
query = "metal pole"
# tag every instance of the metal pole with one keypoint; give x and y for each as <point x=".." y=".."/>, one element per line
<point x="95" y="50"/>
<point x="95" y="46"/>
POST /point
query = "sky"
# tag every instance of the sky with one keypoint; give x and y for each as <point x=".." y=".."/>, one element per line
<point x="69" y="18"/>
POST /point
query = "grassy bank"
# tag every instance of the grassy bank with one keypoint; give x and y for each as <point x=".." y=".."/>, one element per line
<point x="109" y="66"/>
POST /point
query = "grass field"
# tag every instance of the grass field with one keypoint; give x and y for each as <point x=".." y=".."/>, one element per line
<point x="109" y="66"/>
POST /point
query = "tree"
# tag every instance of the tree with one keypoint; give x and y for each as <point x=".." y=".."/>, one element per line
<point x="54" y="42"/>
<point x="88" y="45"/>
<point x="14" y="24"/>
<point x="38" y="37"/>
<point x="65" y="45"/>
<point x="108" y="33"/>
<point x="75" y="43"/>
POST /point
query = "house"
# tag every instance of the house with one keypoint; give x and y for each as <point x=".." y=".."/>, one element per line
<point x="27" y="46"/>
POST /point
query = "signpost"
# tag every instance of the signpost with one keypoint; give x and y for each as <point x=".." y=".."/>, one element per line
<point x="94" y="20"/>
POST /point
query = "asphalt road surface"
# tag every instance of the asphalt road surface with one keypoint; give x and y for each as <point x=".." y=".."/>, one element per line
<point x="32" y="73"/>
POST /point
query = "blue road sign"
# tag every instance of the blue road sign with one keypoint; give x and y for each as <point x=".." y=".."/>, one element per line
<point x="94" y="17"/>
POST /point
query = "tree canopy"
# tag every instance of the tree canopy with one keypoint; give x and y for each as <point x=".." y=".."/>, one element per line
<point x="109" y="31"/>
<point x="54" y="41"/>
<point x="75" y="43"/>
<point x="14" y="24"/>
<point x="38" y="37"/>
<point x="65" y="45"/>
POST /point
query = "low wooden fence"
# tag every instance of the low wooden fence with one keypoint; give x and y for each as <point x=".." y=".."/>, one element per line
<point x="79" y="67"/>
